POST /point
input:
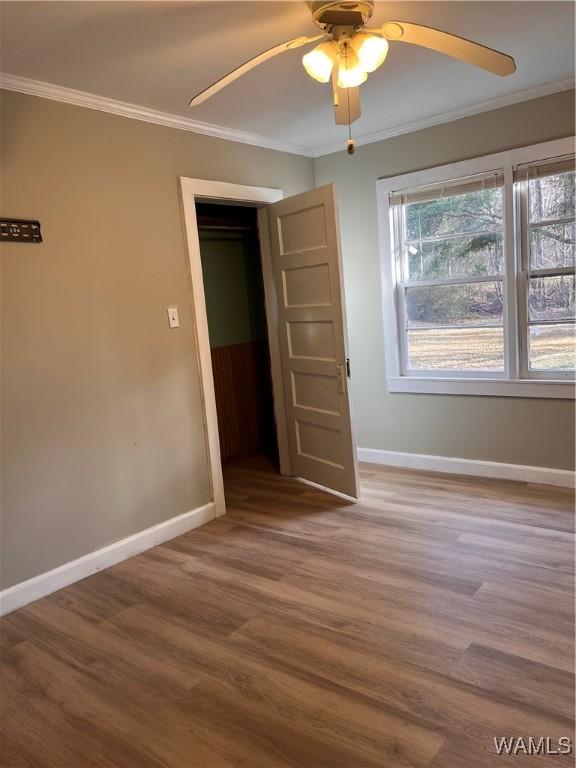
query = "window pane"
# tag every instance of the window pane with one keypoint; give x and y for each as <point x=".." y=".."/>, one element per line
<point x="471" y="256"/>
<point x="474" y="212"/>
<point x="455" y="304"/>
<point x="466" y="349"/>
<point x="551" y="197"/>
<point x="552" y="246"/>
<point x="552" y="298"/>
<point x="552" y="347"/>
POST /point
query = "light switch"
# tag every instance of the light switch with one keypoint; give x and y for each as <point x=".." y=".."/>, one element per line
<point x="173" y="320"/>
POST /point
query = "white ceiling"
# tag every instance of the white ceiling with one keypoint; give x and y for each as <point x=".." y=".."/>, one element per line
<point x="158" y="54"/>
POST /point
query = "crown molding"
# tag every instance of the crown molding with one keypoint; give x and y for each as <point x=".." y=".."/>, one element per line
<point x="103" y="104"/>
<point x="449" y="117"/>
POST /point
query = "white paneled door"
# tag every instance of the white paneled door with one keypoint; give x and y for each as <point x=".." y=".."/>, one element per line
<point x="307" y="270"/>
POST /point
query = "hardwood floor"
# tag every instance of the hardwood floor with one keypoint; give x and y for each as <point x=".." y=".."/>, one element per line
<point x="409" y="629"/>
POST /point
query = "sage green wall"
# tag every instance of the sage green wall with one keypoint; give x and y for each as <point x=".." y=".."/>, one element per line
<point x="233" y="288"/>
<point x="102" y="430"/>
<point x="519" y="431"/>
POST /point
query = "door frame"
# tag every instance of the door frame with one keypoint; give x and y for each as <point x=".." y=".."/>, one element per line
<point x="203" y="190"/>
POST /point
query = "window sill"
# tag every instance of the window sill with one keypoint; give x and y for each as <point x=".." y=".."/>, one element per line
<point x="564" y="390"/>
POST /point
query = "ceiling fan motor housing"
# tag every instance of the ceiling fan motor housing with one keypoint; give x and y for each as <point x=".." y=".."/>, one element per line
<point x="329" y="14"/>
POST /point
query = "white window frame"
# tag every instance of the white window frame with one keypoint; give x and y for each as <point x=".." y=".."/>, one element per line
<point x="513" y="381"/>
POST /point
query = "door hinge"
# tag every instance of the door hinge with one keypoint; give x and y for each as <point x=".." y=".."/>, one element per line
<point x="348" y="368"/>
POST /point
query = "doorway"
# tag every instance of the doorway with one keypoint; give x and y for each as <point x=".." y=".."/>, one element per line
<point x="306" y="327"/>
<point x="236" y="313"/>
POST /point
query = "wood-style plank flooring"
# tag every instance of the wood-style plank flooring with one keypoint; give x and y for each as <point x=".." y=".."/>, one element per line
<point x="303" y="631"/>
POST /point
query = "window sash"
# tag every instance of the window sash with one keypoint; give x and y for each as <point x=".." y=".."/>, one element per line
<point x="478" y="182"/>
<point x="525" y="271"/>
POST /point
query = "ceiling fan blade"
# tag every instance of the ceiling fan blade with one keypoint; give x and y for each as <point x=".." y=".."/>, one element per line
<point x="199" y="98"/>
<point x="451" y="45"/>
<point x="346" y="103"/>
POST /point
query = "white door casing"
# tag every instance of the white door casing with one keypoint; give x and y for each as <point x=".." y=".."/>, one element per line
<point x="195" y="190"/>
<point x="307" y="269"/>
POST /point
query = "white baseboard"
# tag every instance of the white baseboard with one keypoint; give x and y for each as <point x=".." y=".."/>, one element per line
<point x="476" y="467"/>
<point x="45" y="583"/>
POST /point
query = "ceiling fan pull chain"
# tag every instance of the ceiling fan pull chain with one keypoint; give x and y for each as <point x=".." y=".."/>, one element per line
<point x="350" y="144"/>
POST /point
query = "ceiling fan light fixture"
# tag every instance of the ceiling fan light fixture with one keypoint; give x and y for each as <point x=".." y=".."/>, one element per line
<point x="370" y="49"/>
<point x="319" y="62"/>
<point x="347" y="51"/>
<point x="351" y="73"/>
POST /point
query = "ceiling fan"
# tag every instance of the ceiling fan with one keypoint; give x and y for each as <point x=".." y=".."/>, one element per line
<point x="349" y="51"/>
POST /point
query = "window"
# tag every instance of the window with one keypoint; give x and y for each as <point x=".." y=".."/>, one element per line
<point x="479" y="275"/>
<point x="451" y="272"/>
<point x="545" y="194"/>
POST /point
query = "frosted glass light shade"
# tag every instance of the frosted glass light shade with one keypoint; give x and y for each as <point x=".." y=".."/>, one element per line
<point x="320" y="61"/>
<point x="370" y="49"/>
<point x="350" y="71"/>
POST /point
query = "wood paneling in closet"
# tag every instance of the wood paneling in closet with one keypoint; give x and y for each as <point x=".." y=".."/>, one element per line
<point x="243" y="399"/>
